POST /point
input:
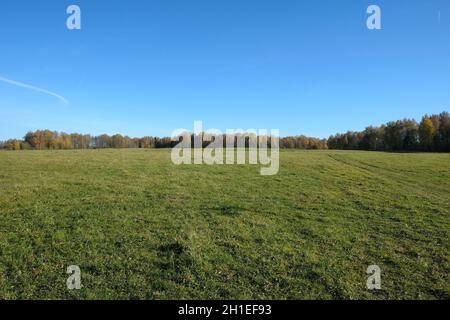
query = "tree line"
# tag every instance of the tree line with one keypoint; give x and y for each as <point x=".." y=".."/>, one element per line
<point x="431" y="134"/>
<point x="52" y="140"/>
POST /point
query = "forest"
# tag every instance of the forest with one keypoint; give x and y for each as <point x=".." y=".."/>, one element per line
<point x="431" y="134"/>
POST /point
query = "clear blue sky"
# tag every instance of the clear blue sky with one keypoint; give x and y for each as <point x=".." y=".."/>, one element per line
<point x="151" y="66"/>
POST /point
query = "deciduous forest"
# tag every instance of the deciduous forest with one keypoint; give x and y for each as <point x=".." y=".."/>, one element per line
<point x="431" y="134"/>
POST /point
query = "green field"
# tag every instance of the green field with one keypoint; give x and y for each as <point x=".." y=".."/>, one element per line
<point x="140" y="227"/>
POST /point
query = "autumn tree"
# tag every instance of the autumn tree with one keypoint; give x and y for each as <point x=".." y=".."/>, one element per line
<point x="427" y="131"/>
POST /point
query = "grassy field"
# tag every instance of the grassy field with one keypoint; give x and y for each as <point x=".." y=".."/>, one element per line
<point x="140" y="227"/>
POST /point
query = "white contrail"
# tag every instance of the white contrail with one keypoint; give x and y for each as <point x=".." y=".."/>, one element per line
<point x="27" y="86"/>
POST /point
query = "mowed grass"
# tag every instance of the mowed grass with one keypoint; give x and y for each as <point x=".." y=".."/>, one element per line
<point x="140" y="227"/>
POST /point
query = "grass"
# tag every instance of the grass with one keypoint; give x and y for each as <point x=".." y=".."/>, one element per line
<point x="140" y="227"/>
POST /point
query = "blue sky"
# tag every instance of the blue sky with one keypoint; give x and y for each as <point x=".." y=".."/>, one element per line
<point x="148" y="67"/>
